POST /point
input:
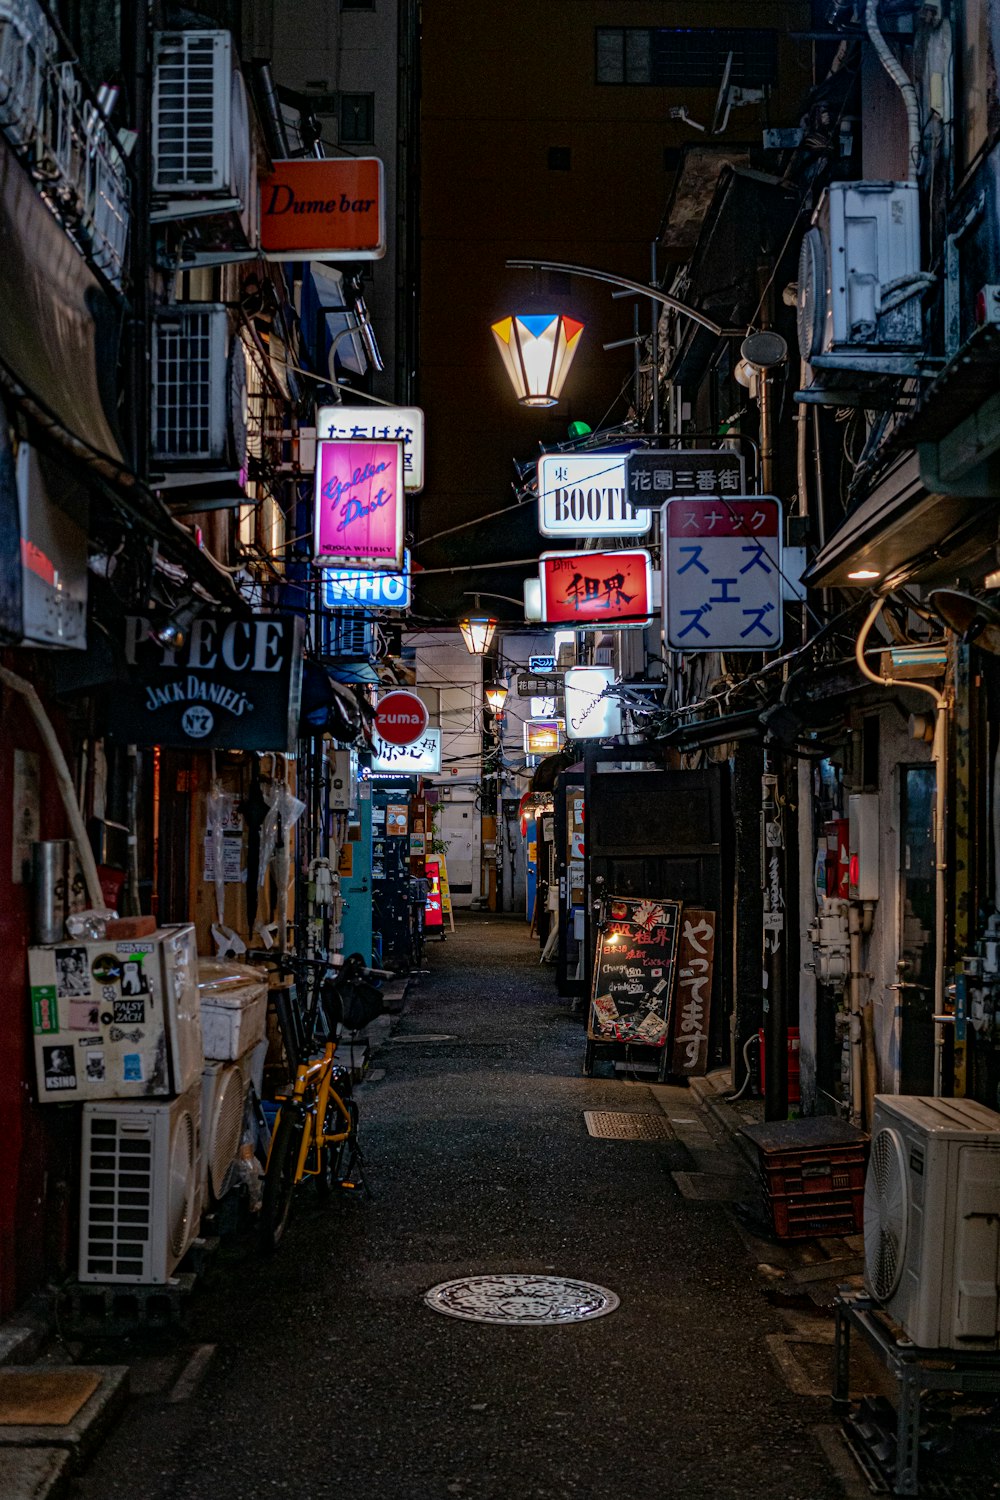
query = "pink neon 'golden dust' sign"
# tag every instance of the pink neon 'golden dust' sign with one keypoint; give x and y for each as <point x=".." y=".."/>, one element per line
<point x="359" y="504"/>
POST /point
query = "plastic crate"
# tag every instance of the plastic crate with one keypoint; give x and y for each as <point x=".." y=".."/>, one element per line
<point x="813" y="1175"/>
<point x="797" y="1217"/>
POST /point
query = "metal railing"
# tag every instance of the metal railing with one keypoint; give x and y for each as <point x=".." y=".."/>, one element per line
<point x="62" y="137"/>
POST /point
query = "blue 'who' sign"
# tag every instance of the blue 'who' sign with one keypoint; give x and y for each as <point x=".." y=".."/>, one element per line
<point x="364" y="588"/>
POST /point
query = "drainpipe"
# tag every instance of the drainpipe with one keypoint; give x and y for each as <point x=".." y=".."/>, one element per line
<point x="939" y="752"/>
<point x="64" y="781"/>
<point x="901" y="79"/>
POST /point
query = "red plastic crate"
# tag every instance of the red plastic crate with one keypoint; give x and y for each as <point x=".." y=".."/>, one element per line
<point x="803" y="1218"/>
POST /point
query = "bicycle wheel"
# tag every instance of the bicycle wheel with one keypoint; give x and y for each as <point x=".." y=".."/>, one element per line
<point x="337" y="1157"/>
<point x="279" y="1183"/>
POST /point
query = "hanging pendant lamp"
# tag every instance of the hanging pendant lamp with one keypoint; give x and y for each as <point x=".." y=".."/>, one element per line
<point x="537" y="350"/>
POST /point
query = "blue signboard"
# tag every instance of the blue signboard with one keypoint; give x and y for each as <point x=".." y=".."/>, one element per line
<point x="541" y="663"/>
<point x="364" y="588"/>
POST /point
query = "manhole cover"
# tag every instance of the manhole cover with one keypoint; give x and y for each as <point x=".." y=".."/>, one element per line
<point x="521" y="1299"/>
<point x="612" y="1125"/>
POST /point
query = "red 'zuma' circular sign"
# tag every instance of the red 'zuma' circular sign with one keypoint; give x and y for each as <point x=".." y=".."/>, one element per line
<point x="400" y="718"/>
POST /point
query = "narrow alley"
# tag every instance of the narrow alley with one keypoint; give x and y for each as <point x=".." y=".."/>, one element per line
<point x="332" y="1377"/>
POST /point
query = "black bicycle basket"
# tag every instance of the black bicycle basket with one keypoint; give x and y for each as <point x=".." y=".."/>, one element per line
<point x="360" y="1003"/>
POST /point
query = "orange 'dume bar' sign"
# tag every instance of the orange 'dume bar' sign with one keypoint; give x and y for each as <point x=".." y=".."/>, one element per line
<point x="323" y="210"/>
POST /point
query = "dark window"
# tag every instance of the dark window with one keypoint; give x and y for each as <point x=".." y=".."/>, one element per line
<point x="559" y="158"/>
<point x="357" y="119"/>
<point x="688" y="57"/>
<point x="357" y="4"/>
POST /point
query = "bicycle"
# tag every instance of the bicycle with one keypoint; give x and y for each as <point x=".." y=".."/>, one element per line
<point x="316" y="1128"/>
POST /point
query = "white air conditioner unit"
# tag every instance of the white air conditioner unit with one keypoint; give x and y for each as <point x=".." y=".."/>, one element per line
<point x="932" y="1220"/>
<point x="204" y="155"/>
<point x="140" y="1196"/>
<point x="199" y="388"/>
<point x="223" y="1096"/>
<point x="860" y="281"/>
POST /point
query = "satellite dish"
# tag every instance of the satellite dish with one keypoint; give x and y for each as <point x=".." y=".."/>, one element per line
<point x="720" y="115"/>
<point x="977" y="621"/>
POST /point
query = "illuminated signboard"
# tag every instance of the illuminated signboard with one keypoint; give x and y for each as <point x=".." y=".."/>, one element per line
<point x="421" y="758"/>
<point x="330" y="209"/>
<point x="722" y="574"/>
<point x="366" y="588"/>
<point x="589" y="714"/>
<point x="596" y="588"/>
<point x="359" y="504"/>
<point x="543" y="736"/>
<point x="379" y="424"/>
<point x="586" y="495"/>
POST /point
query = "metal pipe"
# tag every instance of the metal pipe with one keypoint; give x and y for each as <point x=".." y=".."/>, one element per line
<point x="623" y="281"/>
<point x="655" y="345"/>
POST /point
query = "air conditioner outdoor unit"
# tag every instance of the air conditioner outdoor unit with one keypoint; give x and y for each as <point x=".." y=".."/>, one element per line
<point x="140" y="1198"/>
<point x="223" y="1095"/>
<point x="204" y="157"/>
<point x="932" y="1220"/>
<point x="199" y="388"/>
<point x="860" y="281"/>
<point x="349" y="636"/>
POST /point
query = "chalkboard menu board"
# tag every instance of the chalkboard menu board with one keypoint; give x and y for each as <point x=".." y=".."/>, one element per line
<point x="634" y="970"/>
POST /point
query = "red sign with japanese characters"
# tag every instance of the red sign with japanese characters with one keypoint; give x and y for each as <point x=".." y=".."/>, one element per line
<point x="595" y="588"/>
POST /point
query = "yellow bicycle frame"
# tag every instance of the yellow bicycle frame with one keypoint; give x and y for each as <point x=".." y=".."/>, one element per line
<point x="314" y="1082"/>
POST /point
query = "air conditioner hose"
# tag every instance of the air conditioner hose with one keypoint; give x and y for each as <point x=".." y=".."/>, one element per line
<point x="64" y="781"/>
<point x="901" y="79"/>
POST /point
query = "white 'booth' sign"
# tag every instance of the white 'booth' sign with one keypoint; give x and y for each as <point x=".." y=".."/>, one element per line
<point x="586" y="494"/>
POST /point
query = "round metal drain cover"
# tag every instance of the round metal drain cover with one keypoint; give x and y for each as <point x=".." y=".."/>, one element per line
<point x="521" y="1299"/>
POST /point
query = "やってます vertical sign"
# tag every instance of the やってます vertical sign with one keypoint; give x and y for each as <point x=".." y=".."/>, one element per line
<point x="359" y="504"/>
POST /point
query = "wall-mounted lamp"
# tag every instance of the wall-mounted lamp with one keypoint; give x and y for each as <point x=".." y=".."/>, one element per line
<point x="173" y="633"/>
<point x="864" y="575"/>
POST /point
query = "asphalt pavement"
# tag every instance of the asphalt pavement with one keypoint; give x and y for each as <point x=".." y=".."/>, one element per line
<point x="330" y="1377"/>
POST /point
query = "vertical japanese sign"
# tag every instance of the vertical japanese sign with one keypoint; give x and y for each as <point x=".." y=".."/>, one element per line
<point x="359" y="504"/>
<point x="658" y="474"/>
<point x="722" y="574"/>
<point x="695" y="972"/>
<point x="595" y="588"/>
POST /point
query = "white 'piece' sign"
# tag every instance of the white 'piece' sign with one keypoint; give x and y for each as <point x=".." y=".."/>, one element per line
<point x="722" y="573"/>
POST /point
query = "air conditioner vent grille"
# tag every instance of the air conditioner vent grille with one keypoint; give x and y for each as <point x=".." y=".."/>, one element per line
<point x="117" y="1203"/>
<point x="191" y="394"/>
<point x="885" y="1214"/>
<point x="191" y="148"/>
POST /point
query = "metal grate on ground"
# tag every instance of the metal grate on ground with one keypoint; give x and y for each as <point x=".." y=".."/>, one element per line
<point x="617" y="1125"/>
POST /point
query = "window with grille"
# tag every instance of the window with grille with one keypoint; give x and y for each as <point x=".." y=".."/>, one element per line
<point x="357" y="119"/>
<point x="685" y="57"/>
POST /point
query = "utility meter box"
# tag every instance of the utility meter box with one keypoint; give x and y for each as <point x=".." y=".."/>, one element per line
<point x="862" y="843"/>
<point x="343" y="779"/>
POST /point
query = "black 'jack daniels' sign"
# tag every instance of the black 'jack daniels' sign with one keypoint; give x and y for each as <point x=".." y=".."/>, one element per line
<point x="634" y="970"/>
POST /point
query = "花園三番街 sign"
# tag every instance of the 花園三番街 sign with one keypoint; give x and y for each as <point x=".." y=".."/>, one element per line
<point x="332" y="209"/>
<point x="596" y="588"/>
<point x="359" y="504"/>
<point x="382" y="424"/>
<point x="658" y="474"/>
<point x="722" y="574"/>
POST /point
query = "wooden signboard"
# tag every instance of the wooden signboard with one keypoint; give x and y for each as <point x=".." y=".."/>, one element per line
<point x="695" y="972"/>
<point x="634" y="971"/>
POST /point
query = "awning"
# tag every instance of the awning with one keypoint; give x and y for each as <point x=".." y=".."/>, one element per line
<point x="902" y="531"/>
<point x="59" y="332"/>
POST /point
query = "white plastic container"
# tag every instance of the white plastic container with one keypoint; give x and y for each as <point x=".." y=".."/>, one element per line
<point x="232" y="1021"/>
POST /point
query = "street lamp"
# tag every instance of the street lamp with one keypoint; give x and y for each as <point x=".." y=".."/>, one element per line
<point x="537" y="350"/>
<point x="496" y="696"/>
<point x="477" y="633"/>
